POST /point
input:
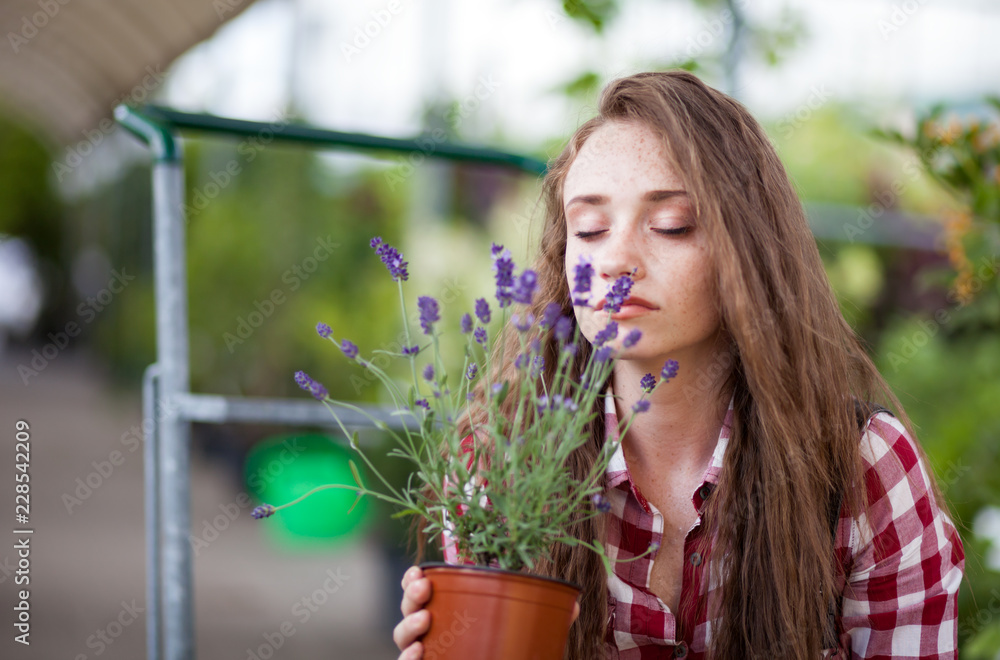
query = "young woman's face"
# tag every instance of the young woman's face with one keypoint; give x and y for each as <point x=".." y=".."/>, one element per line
<point x="626" y="209"/>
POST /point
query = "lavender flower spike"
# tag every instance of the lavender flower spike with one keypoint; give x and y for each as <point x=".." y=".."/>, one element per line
<point x="308" y="384"/>
<point x="524" y="287"/>
<point x="483" y="311"/>
<point x="647" y="383"/>
<point x="551" y="314"/>
<point x="428" y="313"/>
<point x="392" y="259"/>
<point x="618" y="293"/>
<point x="632" y="338"/>
<point x="670" y="368"/>
<point x="263" y="511"/>
<point x="466" y="324"/>
<point x="641" y="406"/>
<point x="324" y="330"/>
<point x="600" y="503"/>
<point x="503" y="269"/>
<point x="609" y="332"/>
<point x="480" y="336"/>
<point x="350" y="350"/>
<point x="582" y="273"/>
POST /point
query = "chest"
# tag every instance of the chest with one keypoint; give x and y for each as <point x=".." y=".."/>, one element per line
<point x="672" y="498"/>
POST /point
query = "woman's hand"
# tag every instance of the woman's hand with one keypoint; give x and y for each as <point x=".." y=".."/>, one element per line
<point x="416" y="620"/>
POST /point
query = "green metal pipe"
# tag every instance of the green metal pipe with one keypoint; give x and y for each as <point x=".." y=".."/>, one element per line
<point x="152" y="122"/>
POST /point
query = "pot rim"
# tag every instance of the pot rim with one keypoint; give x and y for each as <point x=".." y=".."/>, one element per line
<point x="492" y="569"/>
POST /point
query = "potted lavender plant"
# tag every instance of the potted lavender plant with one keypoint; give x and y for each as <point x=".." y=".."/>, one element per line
<point x="506" y="515"/>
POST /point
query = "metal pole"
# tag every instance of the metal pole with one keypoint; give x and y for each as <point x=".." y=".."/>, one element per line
<point x="172" y="357"/>
<point x="151" y="504"/>
<point x="174" y="593"/>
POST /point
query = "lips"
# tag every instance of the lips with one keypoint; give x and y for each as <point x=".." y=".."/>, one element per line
<point x="631" y="300"/>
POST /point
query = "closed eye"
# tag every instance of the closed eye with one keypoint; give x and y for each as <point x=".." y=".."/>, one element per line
<point x="675" y="231"/>
<point x="584" y="235"/>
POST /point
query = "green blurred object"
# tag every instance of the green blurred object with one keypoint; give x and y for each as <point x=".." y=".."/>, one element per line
<point x="282" y="468"/>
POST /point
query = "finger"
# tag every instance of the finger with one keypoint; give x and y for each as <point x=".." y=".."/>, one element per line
<point x="416" y="596"/>
<point x="411" y="574"/>
<point x="576" y="611"/>
<point x="414" y="651"/>
<point x="410" y="628"/>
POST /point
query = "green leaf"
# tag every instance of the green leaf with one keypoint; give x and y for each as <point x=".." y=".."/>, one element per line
<point x="406" y="512"/>
<point x="356" y="500"/>
<point x="354" y="471"/>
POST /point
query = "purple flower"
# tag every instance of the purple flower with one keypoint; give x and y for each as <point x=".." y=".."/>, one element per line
<point x="483" y="311"/>
<point x="524" y="288"/>
<point x="324" y="330"/>
<point x="609" y="332"/>
<point x="654" y="546"/>
<point x="523" y="325"/>
<point x="647" y="383"/>
<point x="618" y="293"/>
<point x="472" y="371"/>
<point x="570" y="349"/>
<point x="669" y="370"/>
<point x="423" y="404"/>
<point x="496" y="388"/>
<point x="428" y="313"/>
<point x="537" y="365"/>
<point x="600" y="503"/>
<point x="551" y="314"/>
<point x="480" y="336"/>
<point x="411" y="350"/>
<point x="563" y="328"/>
<point x="603" y="354"/>
<point x="466" y="324"/>
<point x="503" y="270"/>
<point x="582" y="273"/>
<point x="350" y="350"/>
<point x="263" y="511"/>
<point x="392" y="259"/>
<point x="521" y="361"/>
<point x="632" y="338"/>
<point x="313" y="387"/>
<point x="429" y="372"/>
<point x="641" y="406"/>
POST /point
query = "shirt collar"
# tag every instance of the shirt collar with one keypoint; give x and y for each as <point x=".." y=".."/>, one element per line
<point x="617" y="472"/>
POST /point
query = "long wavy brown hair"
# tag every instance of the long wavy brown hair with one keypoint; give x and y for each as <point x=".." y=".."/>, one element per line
<point x="793" y="366"/>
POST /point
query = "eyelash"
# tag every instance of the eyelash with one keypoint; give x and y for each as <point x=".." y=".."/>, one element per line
<point x="677" y="231"/>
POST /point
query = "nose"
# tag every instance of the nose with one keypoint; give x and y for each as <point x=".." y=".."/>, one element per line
<point x="620" y="255"/>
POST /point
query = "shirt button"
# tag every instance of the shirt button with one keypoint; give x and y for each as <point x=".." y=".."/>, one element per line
<point x="704" y="492"/>
<point x="696" y="558"/>
<point x="681" y="650"/>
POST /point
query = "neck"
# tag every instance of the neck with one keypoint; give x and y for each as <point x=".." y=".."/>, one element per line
<point x="681" y="428"/>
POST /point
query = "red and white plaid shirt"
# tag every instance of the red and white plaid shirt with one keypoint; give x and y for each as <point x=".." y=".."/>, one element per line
<point x="903" y="566"/>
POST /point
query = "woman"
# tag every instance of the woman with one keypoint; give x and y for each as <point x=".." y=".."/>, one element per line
<point x="781" y="534"/>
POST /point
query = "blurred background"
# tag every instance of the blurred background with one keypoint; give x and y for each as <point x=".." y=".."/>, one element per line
<point x="884" y="113"/>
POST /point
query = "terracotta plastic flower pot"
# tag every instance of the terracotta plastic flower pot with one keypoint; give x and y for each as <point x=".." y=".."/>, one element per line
<point x="483" y="613"/>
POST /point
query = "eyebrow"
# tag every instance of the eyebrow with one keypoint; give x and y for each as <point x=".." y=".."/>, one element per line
<point x="651" y="196"/>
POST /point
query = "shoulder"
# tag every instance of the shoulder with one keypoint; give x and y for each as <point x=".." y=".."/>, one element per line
<point x="903" y="523"/>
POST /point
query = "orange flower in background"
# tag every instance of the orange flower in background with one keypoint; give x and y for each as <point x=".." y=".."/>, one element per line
<point x="948" y="134"/>
<point x="956" y="225"/>
<point x="986" y="139"/>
